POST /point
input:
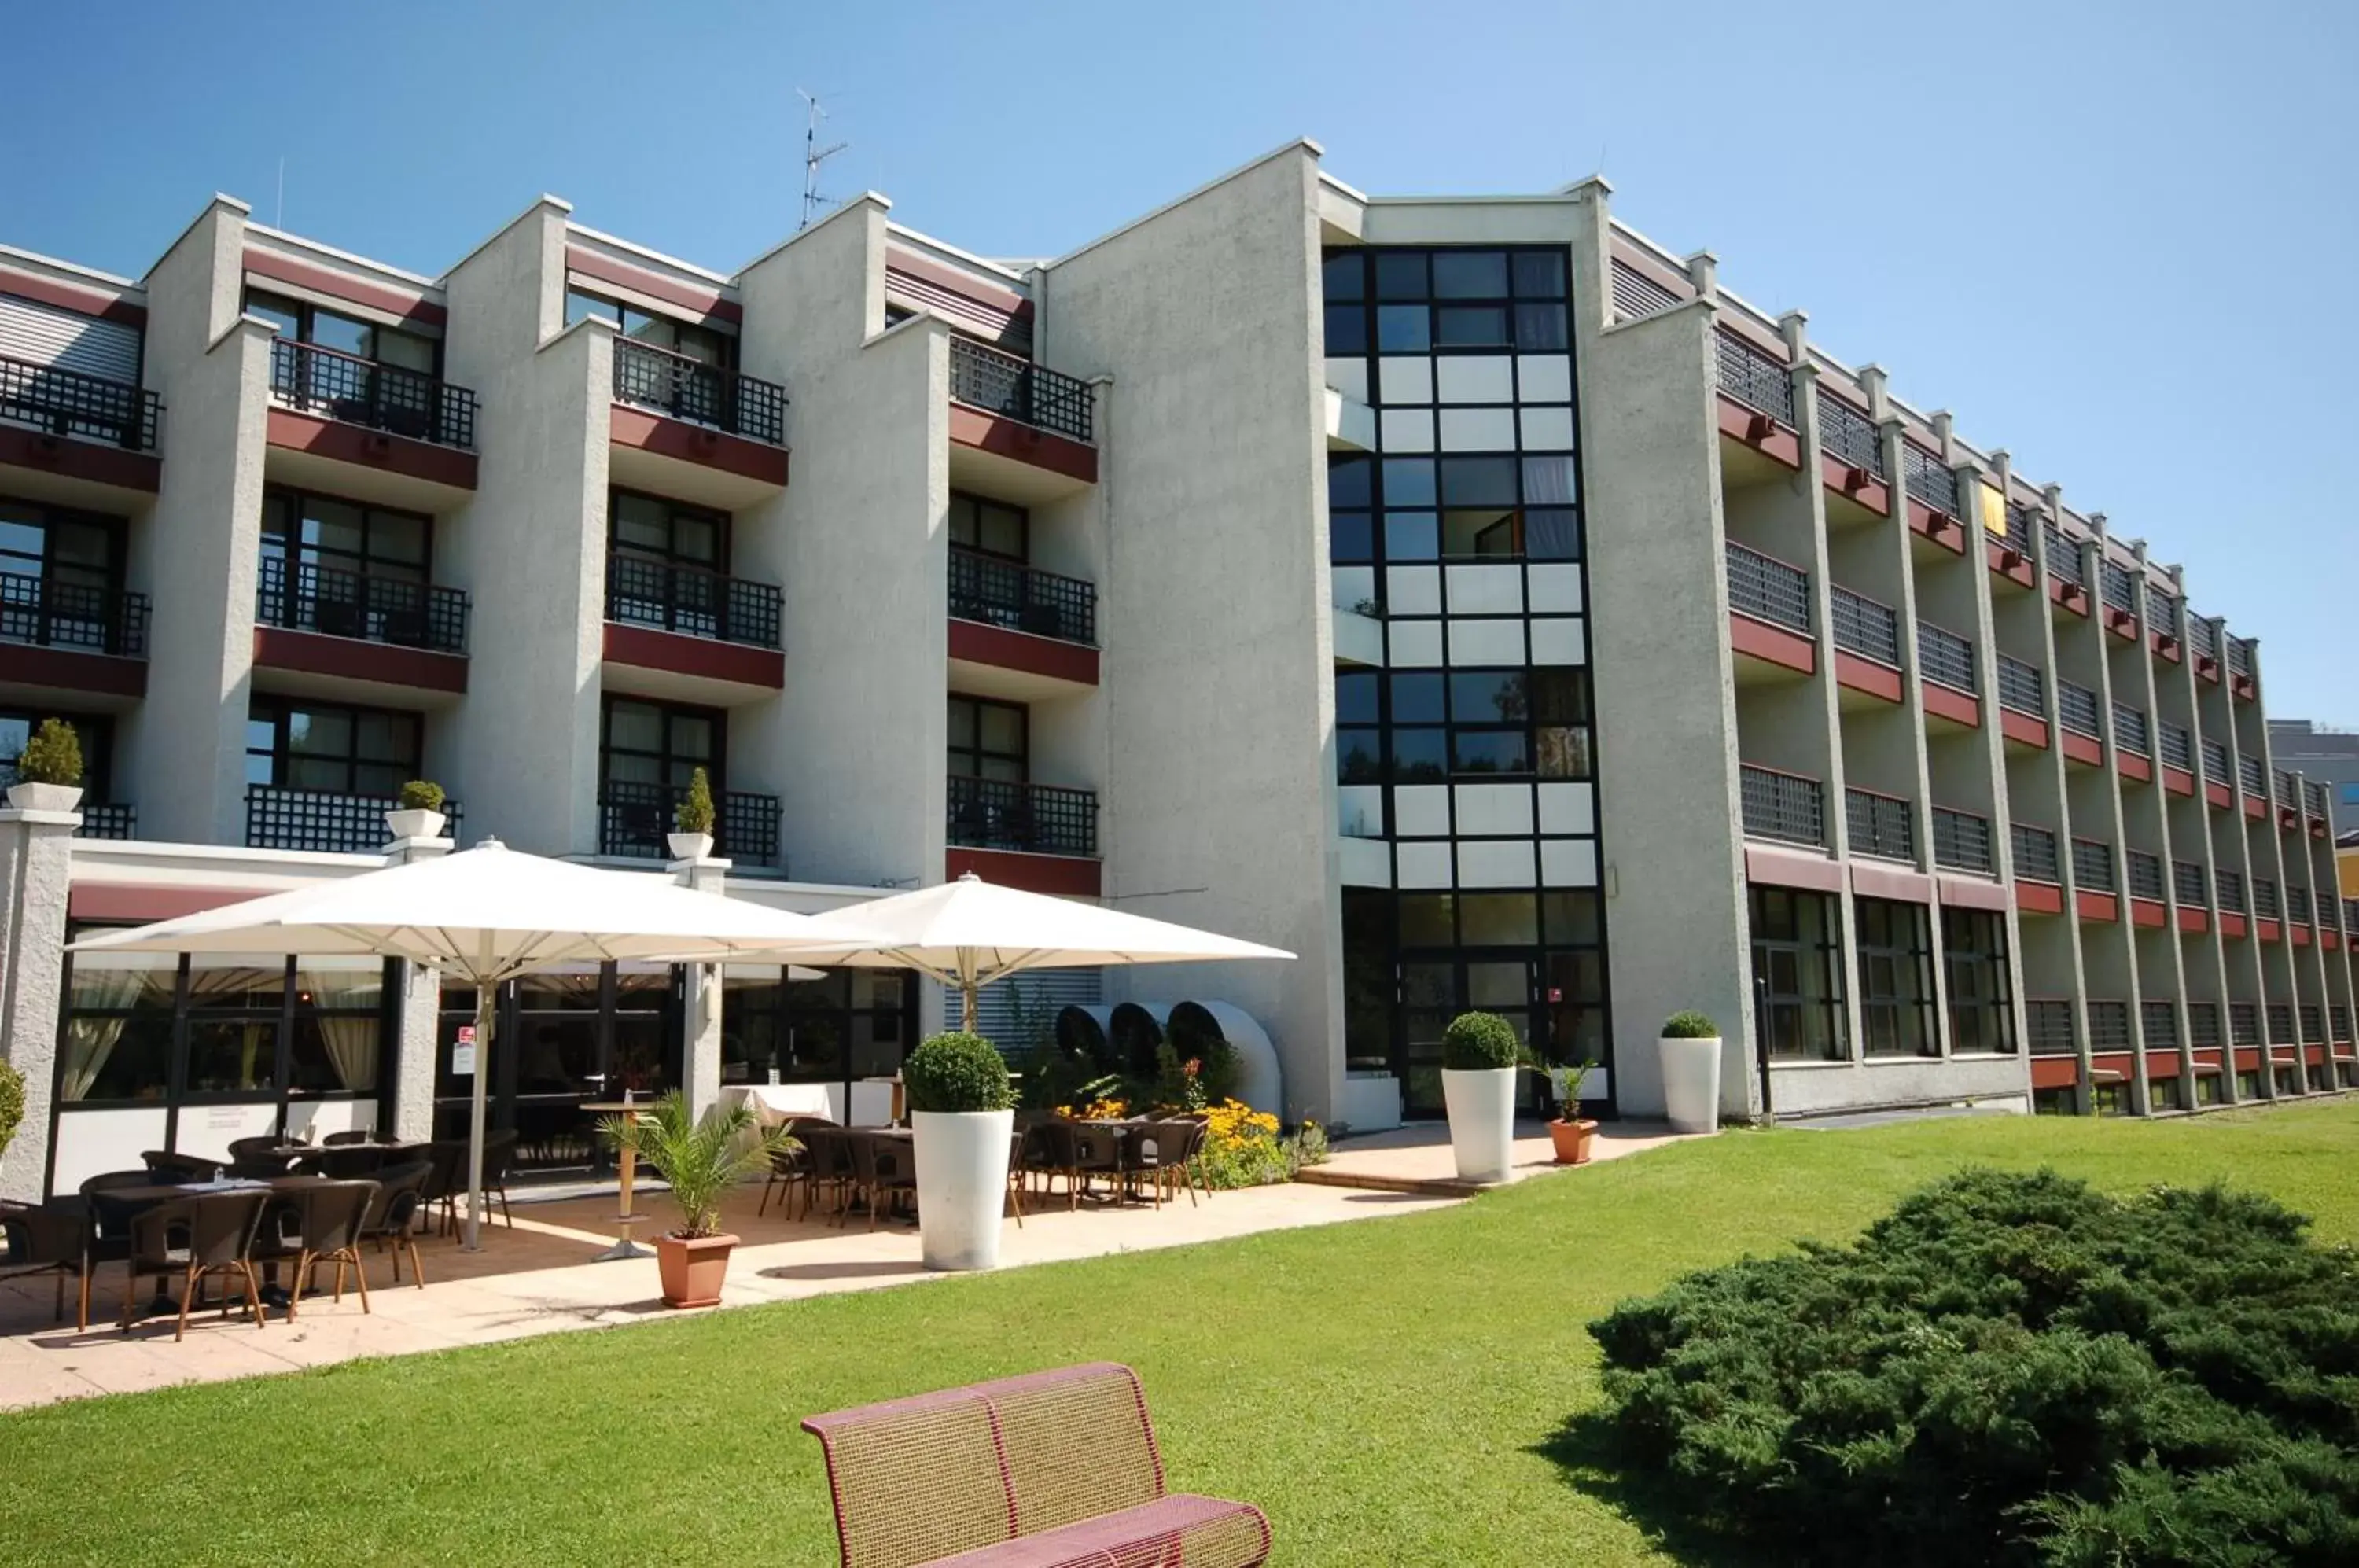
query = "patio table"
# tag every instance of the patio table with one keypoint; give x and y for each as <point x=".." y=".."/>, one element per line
<point x="775" y="1105"/>
<point x="118" y="1206"/>
<point x="626" y="1170"/>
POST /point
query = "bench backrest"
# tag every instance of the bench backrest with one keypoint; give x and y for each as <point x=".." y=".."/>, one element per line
<point x="930" y="1476"/>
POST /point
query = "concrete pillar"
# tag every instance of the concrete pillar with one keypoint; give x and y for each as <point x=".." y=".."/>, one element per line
<point x="700" y="1063"/>
<point x="405" y="1101"/>
<point x="36" y="864"/>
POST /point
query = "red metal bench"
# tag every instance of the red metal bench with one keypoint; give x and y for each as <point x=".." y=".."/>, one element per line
<point x="1050" y="1470"/>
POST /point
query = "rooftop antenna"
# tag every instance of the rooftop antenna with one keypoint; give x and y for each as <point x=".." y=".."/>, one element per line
<point x="279" y="213"/>
<point x="813" y="155"/>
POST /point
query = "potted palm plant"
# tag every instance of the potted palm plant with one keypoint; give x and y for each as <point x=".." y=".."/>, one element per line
<point x="962" y="1107"/>
<point x="700" y="1160"/>
<point x="1690" y="1050"/>
<point x="693" y="818"/>
<point x="418" y="812"/>
<point x="1571" y="1132"/>
<point x="1480" y="1054"/>
<point x="48" y="770"/>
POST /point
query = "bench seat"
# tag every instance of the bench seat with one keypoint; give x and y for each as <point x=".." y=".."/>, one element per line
<point x="1180" y="1527"/>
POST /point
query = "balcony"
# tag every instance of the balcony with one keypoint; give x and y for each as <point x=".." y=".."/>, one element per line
<point x="1020" y="431"/>
<point x="308" y="618"/>
<point x="2216" y="773"/>
<point x="2266" y="906"/>
<point x="312" y="378"/>
<point x="2119" y="586"/>
<point x="1785" y="807"/>
<point x="1769" y="607"/>
<point x="2174" y="748"/>
<point x="1867" y="644"/>
<point x="369" y="431"/>
<point x="1945" y="662"/>
<point x="2240" y="667"/>
<point x="1758" y="390"/>
<point x="2253" y="783"/>
<point x="1934" y="508"/>
<point x="96" y="435"/>
<point x="2229" y="888"/>
<point x="2048" y="1023"/>
<point x="2187" y="882"/>
<point x="2132" y="742"/>
<point x="635" y="820"/>
<point x="2092" y="865"/>
<point x="2010" y="552"/>
<point x="1019" y="633"/>
<point x="2298" y="905"/>
<point x="1961" y="841"/>
<point x="2035" y="852"/>
<point x="2019" y="686"/>
<point x="1027" y="818"/>
<point x="278" y="817"/>
<point x="115" y="820"/>
<point x="1015" y="388"/>
<point x="1881" y="825"/>
<point x="695" y="431"/>
<point x="691" y="390"/>
<point x="2145" y="874"/>
<point x="691" y="635"/>
<point x="1851" y="454"/>
<point x="73" y="636"/>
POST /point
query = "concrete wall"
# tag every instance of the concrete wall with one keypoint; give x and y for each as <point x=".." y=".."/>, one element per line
<point x="1218" y="680"/>
<point x="35" y="860"/>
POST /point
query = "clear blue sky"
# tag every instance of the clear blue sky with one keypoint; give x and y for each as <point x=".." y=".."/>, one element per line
<point x="2119" y="252"/>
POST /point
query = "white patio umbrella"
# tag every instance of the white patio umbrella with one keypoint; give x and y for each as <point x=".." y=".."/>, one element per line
<point x="969" y="932"/>
<point x="482" y="915"/>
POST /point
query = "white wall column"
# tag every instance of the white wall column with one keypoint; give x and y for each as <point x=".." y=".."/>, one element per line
<point x="36" y="866"/>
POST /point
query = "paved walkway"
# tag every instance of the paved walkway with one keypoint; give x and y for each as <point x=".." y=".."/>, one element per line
<point x="1417" y="1156"/>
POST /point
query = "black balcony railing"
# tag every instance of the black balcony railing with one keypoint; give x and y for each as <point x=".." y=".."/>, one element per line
<point x="635" y="819"/>
<point x="2240" y="655"/>
<point x="2174" y="746"/>
<point x="1040" y="819"/>
<point x="2019" y="521"/>
<point x="2158" y="1025"/>
<point x="2215" y="762"/>
<point x="1864" y="627"/>
<point x="51" y="614"/>
<point x="1881" y="825"/>
<point x="2202" y="636"/>
<point x="2130" y="732"/>
<point x="2145" y="875"/>
<point x="2266" y="906"/>
<point x="2230" y="885"/>
<point x="1030" y="394"/>
<point x="2314" y="799"/>
<point x="2204" y="1025"/>
<point x="2035" y="852"/>
<point x="647" y="377"/>
<point x="2092" y="865"/>
<point x="2187" y="881"/>
<point x="2063" y="556"/>
<point x="2164" y="614"/>
<point x="690" y="600"/>
<point x="70" y="403"/>
<point x="2109" y="1025"/>
<point x="2280" y="1020"/>
<point x="317" y="379"/>
<point x="1022" y="598"/>
<point x="1846" y="434"/>
<point x="2049" y="1021"/>
<point x="2076" y="709"/>
<point x="116" y="820"/>
<point x="1787" y="807"/>
<point x="1929" y="479"/>
<point x="2119" y="586"/>
<point x="2019" y="686"/>
<point x="2351" y="916"/>
<point x="2289" y="793"/>
<point x="2244" y="1023"/>
<point x="2298" y="905"/>
<point x="1754" y="378"/>
<point x="2313" y="1023"/>
<point x="312" y="597"/>
<point x="280" y="817"/>
<point x="2340" y="1017"/>
<point x="2252" y="777"/>
<point x="1944" y="657"/>
<point x="1766" y="587"/>
<point x="1961" y="841"/>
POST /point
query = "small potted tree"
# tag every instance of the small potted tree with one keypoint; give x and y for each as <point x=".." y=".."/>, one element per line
<point x="700" y="1160"/>
<point x="1480" y="1054"/>
<point x="693" y="818"/>
<point x="48" y="770"/>
<point x="1690" y="1050"/>
<point x="1571" y="1132"/>
<point x="417" y="811"/>
<point x="963" y="1110"/>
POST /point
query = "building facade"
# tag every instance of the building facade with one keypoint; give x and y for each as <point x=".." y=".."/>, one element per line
<point x="1463" y="594"/>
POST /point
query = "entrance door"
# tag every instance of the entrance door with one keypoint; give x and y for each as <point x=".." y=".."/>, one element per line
<point x="1435" y="990"/>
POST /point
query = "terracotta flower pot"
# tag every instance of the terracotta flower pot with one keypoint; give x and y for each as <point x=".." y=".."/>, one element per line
<point x="1572" y="1140"/>
<point x="692" y="1269"/>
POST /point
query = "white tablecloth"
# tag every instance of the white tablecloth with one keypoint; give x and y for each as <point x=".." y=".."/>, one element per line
<point x="775" y="1103"/>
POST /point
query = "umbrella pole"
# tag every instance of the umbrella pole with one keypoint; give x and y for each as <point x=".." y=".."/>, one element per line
<point x="486" y="1008"/>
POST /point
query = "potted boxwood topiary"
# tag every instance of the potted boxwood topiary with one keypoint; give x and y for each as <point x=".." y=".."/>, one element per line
<point x="700" y="1160"/>
<point x="418" y="812"/>
<point x="48" y="770"/>
<point x="1480" y="1054"/>
<point x="1689" y="1051"/>
<point x="694" y="818"/>
<point x="962" y="1109"/>
<point x="1571" y="1132"/>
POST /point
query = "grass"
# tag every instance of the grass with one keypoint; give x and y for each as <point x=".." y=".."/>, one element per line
<point x="1389" y="1391"/>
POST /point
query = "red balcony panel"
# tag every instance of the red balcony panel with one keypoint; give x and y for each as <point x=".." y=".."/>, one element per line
<point x="1759" y="432"/>
<point x="1866" y="675"/>
<point x="366" y="448"/>
<point x="2088" y="749"/>
<point x="140" y="903"/>
<point x="1970" y="893"/>
<point x="2315" y="1054"/>
<point x="2249" y="1061"/>
<point x="2288" y="819"/>
<point x="1856" y="483"/>
<point x="1939" y="527"/>
<point x="2121" y="624"/>
<point x="2193" y="920"/>
<point x="87" y="460"/>
<point x="2166" y="646"/>
<point x="2113" y="1065"/>
<point x="350" y="658"/>
<point x="2071" y="596"/>
<point x="2178" y="780"/>
<point x="2219" y="795"/>
<point x="2255" y="808"/>
<point x="1897" y="883"/>
<point x="72" y="669"/>
<point x="1777" y="867"/>
<point x="2009" y="563"/>
<point x="2300" y="933"/>
<point x="2029" y="729"/>
<point x="2162" y="1064"/>
<point x="978" y="643"/>
<point x="2137" y="768"/>
<point x="971" y="427"/>
<point x="2204" y="1059"/>
<point x="676" y="438"/>
<point x="1066" y="874"/>
<point x="2242" y="686"/>
<point x="2208" y="667"/>
<point x="707" y="659"/>
<point x="2150" y="913"/>
<point x="2231" y="924"/>
<point x="2331" y="941"/>
<point x="2039" y="899"/>
<point x="2097" y="906"/>
<point x="2055" y="1071"/>
<point x="2266" y="930"/>
<point x="1948" y="703"/>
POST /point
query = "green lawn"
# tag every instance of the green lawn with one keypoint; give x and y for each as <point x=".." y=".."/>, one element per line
<point x="1384" y="1389"/>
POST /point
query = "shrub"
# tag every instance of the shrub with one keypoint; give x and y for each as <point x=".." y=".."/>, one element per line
<point x="1689" y="1026"/>
<point x="957" y="1072"/>
<point x="421" y="795"/>
<point x="1476" y="1042"/>
<point x="12" y="1103"/>
<point x="700" y="1160"/>
<point x="53" y="754"/>
<point x="2012" y="1369"/>
<point x="695" y="813"/>
<point x="1568" y="1082"/>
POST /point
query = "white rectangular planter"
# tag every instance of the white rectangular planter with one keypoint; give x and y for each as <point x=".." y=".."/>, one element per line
<point x="1691" y="1083"/>
<point x="962" y="1185"/>
<point x="1481" y="1106"/>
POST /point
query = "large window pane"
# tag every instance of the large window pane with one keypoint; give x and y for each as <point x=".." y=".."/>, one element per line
<point x="1346" y="329"/>
<point x="1488" y="696"/>
<point x="1416" y="699"/>
<point x="1469" y="274"/>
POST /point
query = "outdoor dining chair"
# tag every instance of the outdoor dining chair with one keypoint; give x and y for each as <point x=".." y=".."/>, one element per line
<point x="351" y="1135"/>
<point x="197" y="1238"/>
<point x="446" y="1180"/>
<point x="49" y="1239"/>
<point x="791" y="1169"/>
<point x="330" y="1232"/>
<point x="171" y="1169"/>
<point x="832" y="1173"/>
<point x="392" y="1220"/>
<point x="882" y="1172"/>
<point x="499" y="1161"/>
<point x="1154" y="1153"/>
<point x="1097" y="1152"/>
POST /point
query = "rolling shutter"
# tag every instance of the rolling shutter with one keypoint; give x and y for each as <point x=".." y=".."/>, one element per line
<point x="43" y="334"/>
<point x="1046" y="993"/>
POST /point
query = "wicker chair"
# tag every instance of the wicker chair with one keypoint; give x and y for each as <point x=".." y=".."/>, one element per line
<point x="165" y="1168"/>
<point x="833" y="1170"/>
<point x="882" y="1170"/>
<point x="447" y="1182"/>
<point x="196" y="1238"/>
<point x="792" y="1170"/>
<point x="1053" y="1467"/>
<point x="1097" y="1152"/>
<point x="1155" y="1154"/>
<point x="392" y="1220"/>
<point x="333" y="1216"/>
<point x="49" y="1239"/>
<point x="353" y="1135"/>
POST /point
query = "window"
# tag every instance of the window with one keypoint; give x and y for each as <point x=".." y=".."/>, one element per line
<point x="990" y="526"/>
<point x="1798" y="974"/>
<point x="1973" y="955"/>
<point x="345" y="537"/>
<point x="59" y="571"/>
<point x="1896" y="992"/>
<point x="95" y="731"/>
<point x="683" y="338"/>
<point x="989" y="739"/>
<point x="647" y="527"/>
<point x="845" y="1025"/>
<point x="659" y="743"/>
<point x="335" y="750"/>
<point x="1470" y="723"/>
<point x="117" y="1043"/>
<point x="306" y="322"/>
